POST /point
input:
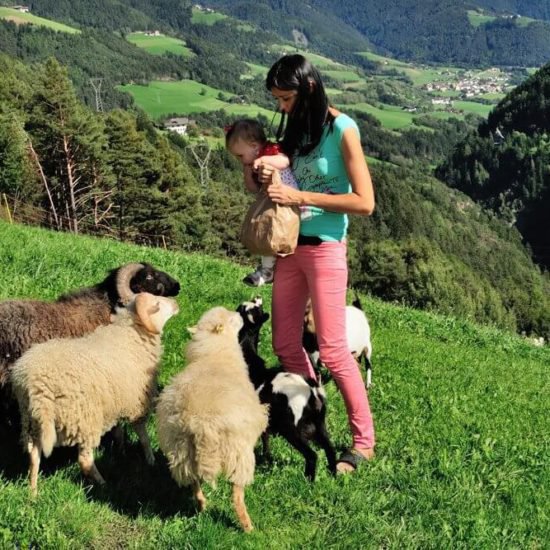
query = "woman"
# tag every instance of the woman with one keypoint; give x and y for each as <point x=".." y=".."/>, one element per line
<point x="334" y="180"/>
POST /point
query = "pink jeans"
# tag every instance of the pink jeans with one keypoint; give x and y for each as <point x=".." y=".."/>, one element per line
<point x="320" y="272"/>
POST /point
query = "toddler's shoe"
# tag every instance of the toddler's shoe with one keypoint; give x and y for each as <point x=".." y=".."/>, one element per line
<point x="262" y="276"/>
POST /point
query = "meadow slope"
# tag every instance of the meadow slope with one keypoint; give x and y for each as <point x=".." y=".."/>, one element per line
<point x="463" y="453"/>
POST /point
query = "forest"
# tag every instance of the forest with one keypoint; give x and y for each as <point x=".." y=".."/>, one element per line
<point x="431" y="31"/>
<point x="504" y="163"/>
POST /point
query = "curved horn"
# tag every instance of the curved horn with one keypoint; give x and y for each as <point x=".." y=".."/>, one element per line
<point x="123" y="278"/>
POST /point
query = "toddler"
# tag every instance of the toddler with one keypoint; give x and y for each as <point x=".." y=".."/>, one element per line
<point x="246" y="141"/>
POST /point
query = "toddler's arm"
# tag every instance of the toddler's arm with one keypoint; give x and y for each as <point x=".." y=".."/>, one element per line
<point x="278" y="162"/>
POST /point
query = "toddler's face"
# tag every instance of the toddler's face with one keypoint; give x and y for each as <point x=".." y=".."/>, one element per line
<point x="244" y="151"/>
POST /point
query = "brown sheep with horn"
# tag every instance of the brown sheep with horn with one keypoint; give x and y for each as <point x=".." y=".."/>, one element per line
<point x="24" y="323"/>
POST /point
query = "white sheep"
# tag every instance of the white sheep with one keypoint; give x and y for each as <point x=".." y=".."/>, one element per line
<point x="209" y="417"/>
<point x="71" y="391"/>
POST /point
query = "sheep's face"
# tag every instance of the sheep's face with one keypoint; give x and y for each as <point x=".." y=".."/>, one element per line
<point x="218" y="320"/>
<point x="253" y="313"/>
<point x="153" y="281"/>
<point x="154" y="311"/>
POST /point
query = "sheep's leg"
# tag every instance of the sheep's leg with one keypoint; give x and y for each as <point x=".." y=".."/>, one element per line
<point x="308" y="453"/>
<point x="265" y="447"/>
<point x="368" y="368"/>
<point x="323" y="440"/>
<point x="34" y="465"/>
<point x="199" y="495"/>
<point x="118" y="437"/>
<point x="141" y="430"/>
<point x="87" y="465"/>
<point x="240" y="508"/>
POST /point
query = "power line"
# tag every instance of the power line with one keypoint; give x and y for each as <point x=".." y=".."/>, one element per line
<point x="96" y="85"/>
<point x="202" y="160"/>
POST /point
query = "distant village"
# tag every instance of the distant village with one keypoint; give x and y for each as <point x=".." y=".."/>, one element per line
<point x="469" y="84"/>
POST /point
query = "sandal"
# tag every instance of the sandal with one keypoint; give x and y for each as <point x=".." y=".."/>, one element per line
<point x="353" y="458"/>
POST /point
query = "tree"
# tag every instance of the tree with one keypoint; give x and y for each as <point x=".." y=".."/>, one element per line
<point x="68" y="144"/>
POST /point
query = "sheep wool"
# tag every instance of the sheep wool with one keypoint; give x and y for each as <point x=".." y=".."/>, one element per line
<point x="209" y="417"/>
<point x="71" y="391"/>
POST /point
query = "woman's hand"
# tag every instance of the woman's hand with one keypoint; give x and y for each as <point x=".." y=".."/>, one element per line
<point x="283" y="194"/>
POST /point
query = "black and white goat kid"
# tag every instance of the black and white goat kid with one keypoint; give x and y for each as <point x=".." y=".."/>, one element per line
<point x="297" y="405"/>
<point x="357" y="336"/>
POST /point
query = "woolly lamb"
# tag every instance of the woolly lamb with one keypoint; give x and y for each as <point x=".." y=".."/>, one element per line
<point x="357" y="333"/>
<point x="27" y="322"/>
<point x="209" y="417"/>
<point x="297" y="406"/>
<point x="71" y="391"/>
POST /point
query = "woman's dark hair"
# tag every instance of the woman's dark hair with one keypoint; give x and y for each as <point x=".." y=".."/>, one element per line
<point x="304" y="125"/>
<point x="247" y="129"/>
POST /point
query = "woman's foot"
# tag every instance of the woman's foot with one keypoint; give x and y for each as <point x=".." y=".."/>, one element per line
<point x="350" y="459"/>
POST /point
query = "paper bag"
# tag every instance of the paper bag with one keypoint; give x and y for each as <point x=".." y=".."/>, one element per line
<point x="269" y="228"/>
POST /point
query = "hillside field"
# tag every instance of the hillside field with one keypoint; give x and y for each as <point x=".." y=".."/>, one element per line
<point x="463" y="446"/>
<point x="184" y="97"/>
<point x="201" y="17"/>
<point x="159" y="45"/>
<point x="21" y="18"/>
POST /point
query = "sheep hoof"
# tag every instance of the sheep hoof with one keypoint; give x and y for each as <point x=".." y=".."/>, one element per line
<point x="150" y="459"/>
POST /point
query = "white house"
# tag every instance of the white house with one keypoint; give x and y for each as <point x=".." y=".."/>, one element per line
<point x="178" y="125"/>
<point x="23" y="9"/>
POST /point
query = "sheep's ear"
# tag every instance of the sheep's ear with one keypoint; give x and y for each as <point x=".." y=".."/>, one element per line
<point x="192" y="330"/>
<point x="147" y="305"/>
<point x="154" y="308"/>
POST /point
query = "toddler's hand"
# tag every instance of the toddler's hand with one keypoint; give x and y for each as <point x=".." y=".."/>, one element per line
<point x="265" y="173"/>
<point x="257" y="163"/>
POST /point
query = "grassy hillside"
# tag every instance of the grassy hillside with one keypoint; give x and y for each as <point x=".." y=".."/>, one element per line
<point x="159" y="45"/>
<point x="21" y="18"/>
<point x="161" y="98"/>
<point x="463" y="444"/>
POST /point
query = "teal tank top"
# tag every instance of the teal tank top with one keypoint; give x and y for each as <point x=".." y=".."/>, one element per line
<point x="323" y="171"/>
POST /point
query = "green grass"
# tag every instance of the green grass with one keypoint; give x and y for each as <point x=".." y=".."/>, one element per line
<point x="342" y="75"/>
<point x="384" y="60"/>
<point x="524" y="21"/>
<point x="320" y="61"/>
<point x="463" y="446"/>
<point x="28" y="18"/>
<point x="200" y="17"/>
<point x="256" y="69"/>
<point x="472" y="107"/>
<point x="185" y="97"/>
<point x="391" y="117"/>
<point x="159" y="45"/>
<point x="477" y="19"/>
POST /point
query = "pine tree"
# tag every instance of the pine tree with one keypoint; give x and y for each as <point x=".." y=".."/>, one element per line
<point x="17" y="177"/>
<point x="68" y="143"/>
<point x="136" y="170"/>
